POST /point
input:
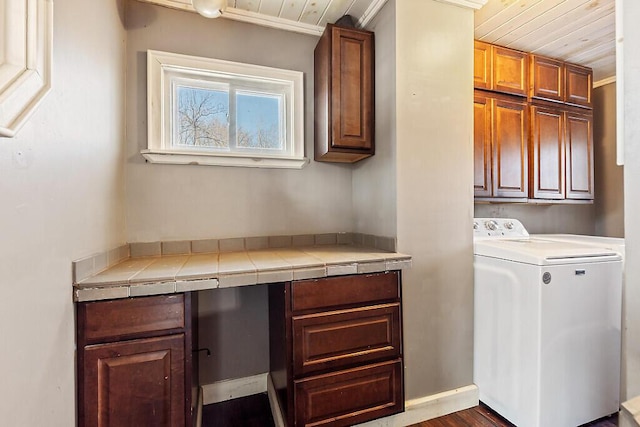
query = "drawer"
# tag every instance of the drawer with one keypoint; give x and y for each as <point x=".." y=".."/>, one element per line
<point x="104" y="321"/>
<point x="336" y="339"/>
<point x="351" y="396"/>
<point x="345" y="290"/>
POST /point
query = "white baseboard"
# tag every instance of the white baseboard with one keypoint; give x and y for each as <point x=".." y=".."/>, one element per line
<point x="232" y="389"/>
<point x="428" y="407"/>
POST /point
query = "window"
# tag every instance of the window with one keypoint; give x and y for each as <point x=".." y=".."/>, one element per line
<point x="213" y="112"/>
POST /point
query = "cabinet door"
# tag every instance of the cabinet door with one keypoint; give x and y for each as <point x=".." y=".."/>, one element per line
<point x="578" y="85"/>
<point x="482" y="185"/>
<point x="510" y="71"/>
<point x="352" y="89"/>
<point x="135" y="383"/>
<point x="547" y="78"/>
<point x="510" y="129"/>
<point x="344" y="95"/>
<point x="579" y="162"/>
<point x="481" y="65"/>
<point x="547" y="153"/>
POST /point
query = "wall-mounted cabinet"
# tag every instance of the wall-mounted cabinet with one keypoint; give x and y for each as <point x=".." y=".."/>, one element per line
<point x="344" y="95"/>
<point x="579" y="154"/>
<point x="536" y="148"/>
<point x="578" y="85"/>
<point x="501" y="129"/>
<point x="561" y="153"/>
<point x="559" y="81"/>
<point x="547" y="78"/>
<point x="500" y="69"/>
<point x="547" y="152"/>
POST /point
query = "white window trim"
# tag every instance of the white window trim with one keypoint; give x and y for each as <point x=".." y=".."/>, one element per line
<point x="25" y="61"/>
<point x="159" y="150"/>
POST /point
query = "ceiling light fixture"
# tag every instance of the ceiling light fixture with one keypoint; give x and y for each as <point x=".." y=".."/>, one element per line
<point x="210" y="8"/>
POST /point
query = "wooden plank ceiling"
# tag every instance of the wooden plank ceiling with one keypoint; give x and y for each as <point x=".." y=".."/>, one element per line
<point x="579" y="31"/>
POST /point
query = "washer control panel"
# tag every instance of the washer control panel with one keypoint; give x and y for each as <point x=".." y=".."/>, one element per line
<point x="498" y="228"/>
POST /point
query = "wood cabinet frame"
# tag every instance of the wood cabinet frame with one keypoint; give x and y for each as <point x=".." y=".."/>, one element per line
<point x="128" y="337"/>
<point x="344" y="352"/>
<point x="556" y="150"/>
<point x="500" y="69"/>
<point x="501" y="133"/>
<point x="344" y="78"/>
<point x="561" y="152"/>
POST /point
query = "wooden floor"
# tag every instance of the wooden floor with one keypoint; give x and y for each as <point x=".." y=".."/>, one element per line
<point x="482" y="416"/>
<point x="251" y="411"/>
<point x="254" y="411"/>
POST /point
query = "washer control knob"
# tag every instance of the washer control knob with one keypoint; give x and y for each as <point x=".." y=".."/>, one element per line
<point x="475" y="226"/>
<point x="491" y="225"/>
<point x="508" y="225"/>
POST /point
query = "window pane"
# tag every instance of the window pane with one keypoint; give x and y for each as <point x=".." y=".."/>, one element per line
<point x="258" y="121"/>
<point x="202" y="117"/>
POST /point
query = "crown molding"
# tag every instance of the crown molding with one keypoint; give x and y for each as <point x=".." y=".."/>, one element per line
<point x="472" y="4"/>
<point x="605" y="81"/>
<point x="247" y="16"/>
<point x="371" y="12"/>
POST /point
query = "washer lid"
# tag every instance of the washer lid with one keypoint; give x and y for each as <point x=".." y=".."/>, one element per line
<point x="614" y="243"/>
<point x="543" y="252"/>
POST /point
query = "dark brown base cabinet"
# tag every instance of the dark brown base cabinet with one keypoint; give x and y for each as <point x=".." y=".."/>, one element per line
<point x="134" y="362"/>
<point x="336" y="349"/>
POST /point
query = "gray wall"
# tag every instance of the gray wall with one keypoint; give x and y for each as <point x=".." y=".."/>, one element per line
<point x="167" y="202"/>
<point x="434" y="154"/>
<point x="374" y="179"/>
<point x="62" y="192"/>
<point x="609" y="177"/>
<point x="573" y="219"/>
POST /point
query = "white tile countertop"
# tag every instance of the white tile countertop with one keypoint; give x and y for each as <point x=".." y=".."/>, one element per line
<point x="162" y="274"/>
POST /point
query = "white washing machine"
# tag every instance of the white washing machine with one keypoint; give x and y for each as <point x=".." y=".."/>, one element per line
<point x="547" y="326"/>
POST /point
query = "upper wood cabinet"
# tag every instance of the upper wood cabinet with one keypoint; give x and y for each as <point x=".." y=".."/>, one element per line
<point x="344" y="95"/>
<point x="559" y="81"/>
<point x="547" y="78"/>
<point x="579" y="155"/>
<point x="501" y="132"/>
<point x="534" y="148"/>
<point x="561" y="152"/>
<point x="482" y="166"/>
<point x="500" y="69"/>
<point x="578" y="85"/>
<point x="547" y="152"/>
<point x="481" y="65"/>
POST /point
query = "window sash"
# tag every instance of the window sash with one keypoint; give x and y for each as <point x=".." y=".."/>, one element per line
<point x="166" y="70"/>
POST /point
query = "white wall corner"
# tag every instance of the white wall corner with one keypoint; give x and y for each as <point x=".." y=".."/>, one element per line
<point x="473" y="4"/>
